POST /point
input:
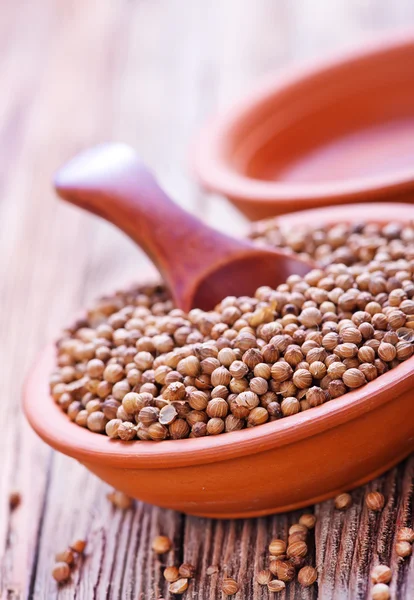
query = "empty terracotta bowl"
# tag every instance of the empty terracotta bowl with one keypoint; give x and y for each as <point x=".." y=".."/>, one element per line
<point x="283" y="465"/>
<point x="340" y="132"/>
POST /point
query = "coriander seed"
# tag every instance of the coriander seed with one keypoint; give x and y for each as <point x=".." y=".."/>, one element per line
<point x="277" y="547"/>
<point x="61" y="572"/>
<point x="161" y="544"/>
<point x="179" y="586"/>
<point x="307" y="576"/>
<point x="308" y="520"/>
<point x="403" y="549"/>
<point x="120" y="500"/>
<point x="405" y="534"/>
<point x="380" y="591"/>
<point x="229" y="586"/>
<point x="65" y="556"/>
<point x="171" y="574"/>
<point x="298" y="548"/>
<point x="381" y="574"/>
<point x="276" y="585"/>
<point x="187" y="570"/>
<point x="263" y="577"/>
<point x="375" y="501"/>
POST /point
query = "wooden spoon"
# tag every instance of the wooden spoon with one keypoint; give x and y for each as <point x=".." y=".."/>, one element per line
<point x="200" y="265"/>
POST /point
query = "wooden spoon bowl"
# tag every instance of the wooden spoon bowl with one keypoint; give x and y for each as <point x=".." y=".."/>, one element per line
<point x="283" y="465"/>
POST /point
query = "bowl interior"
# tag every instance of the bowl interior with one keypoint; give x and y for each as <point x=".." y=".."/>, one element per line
<point x="341" y="131"/>
<point x="349" y="121"/>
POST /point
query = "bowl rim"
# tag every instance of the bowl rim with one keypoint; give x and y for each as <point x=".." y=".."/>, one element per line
<point x="55" y="428"/>
<point x="214" y="170"/>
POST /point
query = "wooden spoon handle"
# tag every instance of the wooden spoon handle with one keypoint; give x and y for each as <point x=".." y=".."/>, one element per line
<point x="111" y="181"/>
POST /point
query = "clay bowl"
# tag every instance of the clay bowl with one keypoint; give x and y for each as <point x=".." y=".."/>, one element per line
<point x="338" y="132"/>
<point x="279" y="466"/>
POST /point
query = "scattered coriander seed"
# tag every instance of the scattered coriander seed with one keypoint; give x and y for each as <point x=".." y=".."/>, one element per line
<point x="65" y="556"/>
<point x="187" y="570"/>
<point x="61" y="572"/>
<point x="343" y="501"/>
<point x="284" y="570"/>
<point x="15" y="499"/>
<point x="277" y="547"/>
<point x="229" y="586"/>
<point x="381" y="574"/>
<point x="405" y="534"/>
<point x="179" y="586"/>
<point x="307" y="576"/>
<point x="308" y="520"/>
<point x="380" y="591"/>
<point x="78" y="546"/>
<point x="375" y="501"/>
<point x="297" y="549"/>
<point x="120" y="500"/>
<point x="171" y="574"/>
<point x="161" y="544"/>
<point x="403" y="549"/>
<point x="275" y="585"/>
<point x="298" y="528"/>
<point x="263" y="577"/>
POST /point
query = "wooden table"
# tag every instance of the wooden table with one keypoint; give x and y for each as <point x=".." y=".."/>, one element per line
<point x="75" y="72"/>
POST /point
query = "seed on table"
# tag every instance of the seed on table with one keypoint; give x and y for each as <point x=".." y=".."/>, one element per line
<point x="375" y="501"/>
<point x="277" y="547"/>
<point x="308" y="520"/>
<point x="263" y="577"/>
<point x="298" y="528"/>
<point x="15" y="499"/>
<point x="120" y="500"/>
<point x="65" y="556"/>
<point x="229" y="586"/>
<point x="298" y="548"/>
<point x="179" y="586"/>
<point x="187" y="570"/>
<point x="161" y="544"/>
<point x="78" y="546"/>
<point x="380" y="591"/>
<point x="275" y="585"/>
<point x="403" y="549"/>
<point x="283" y="570"/>
<point x="307" y="576"/>
<point x="381" y="574"/>
<point x="405" y="534"/>
<point x="61" y="572"/>
<point x="171" y="574"/>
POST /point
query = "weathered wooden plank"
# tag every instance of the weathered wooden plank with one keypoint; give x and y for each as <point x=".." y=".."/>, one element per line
<point x="146" y="73"/>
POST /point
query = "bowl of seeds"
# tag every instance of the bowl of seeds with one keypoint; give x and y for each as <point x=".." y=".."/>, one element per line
<point x="267" y="403"/>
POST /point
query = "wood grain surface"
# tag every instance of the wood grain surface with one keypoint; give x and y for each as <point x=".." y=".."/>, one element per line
<point x="146" y="72"/>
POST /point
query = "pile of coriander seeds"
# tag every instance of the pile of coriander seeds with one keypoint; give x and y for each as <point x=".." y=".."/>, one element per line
<point x="138" y="368"/>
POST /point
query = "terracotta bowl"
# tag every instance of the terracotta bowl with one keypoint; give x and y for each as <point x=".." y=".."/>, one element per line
<point x="338" y="132"/>
<point x="279" y="466"/>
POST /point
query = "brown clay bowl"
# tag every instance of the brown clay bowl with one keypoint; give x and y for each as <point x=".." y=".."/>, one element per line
<point x="279" y="466"/>
<point x="338" y="132"/>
